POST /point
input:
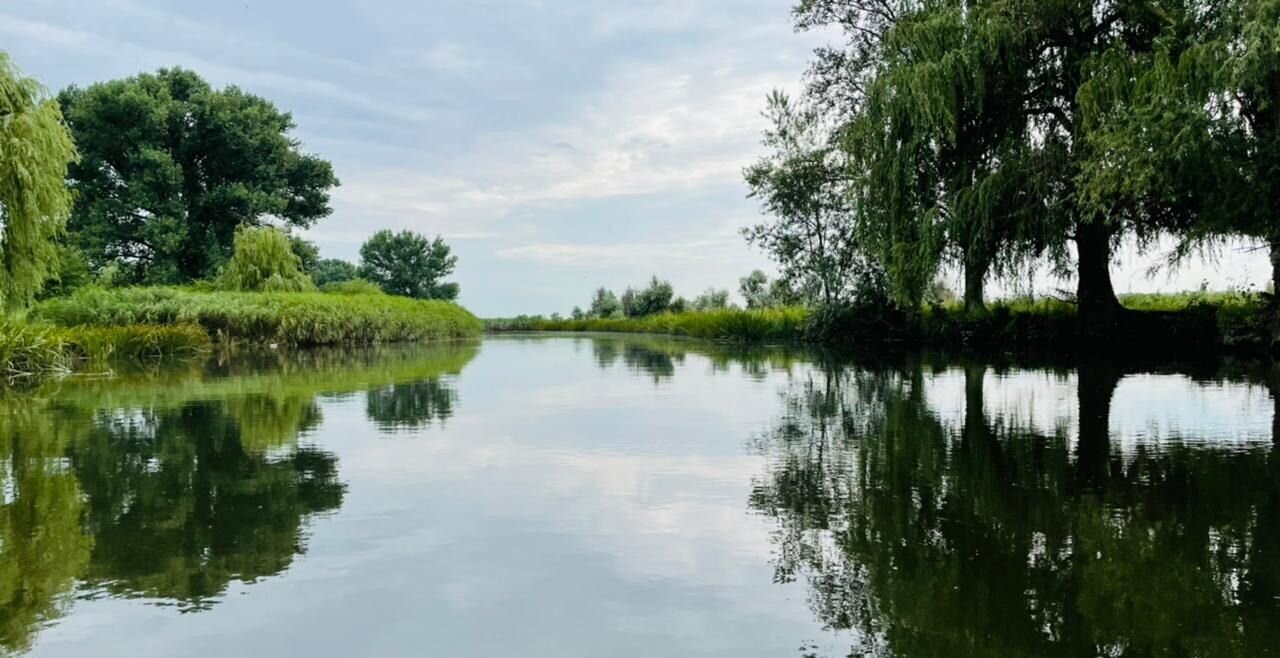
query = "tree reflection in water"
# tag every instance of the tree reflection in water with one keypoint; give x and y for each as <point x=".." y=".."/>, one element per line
<point x="171" y="484"/>
<point x="994" y="538"/>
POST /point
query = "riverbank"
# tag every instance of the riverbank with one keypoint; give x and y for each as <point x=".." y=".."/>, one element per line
<point x="284" y="318"/>
<point x="95" y="330"/>
<point x="31" y="351"/>
<point x="1227" y="323"/>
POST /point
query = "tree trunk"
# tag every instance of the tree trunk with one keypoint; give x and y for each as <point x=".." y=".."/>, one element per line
<point x="1275" y="266"/>
<point x="975" y="276"/>
<point x="1099" y="308"/>
<point x="1275" y="414"/>
<point x="1096" y="384"/>
<point x="1275" y="297"/>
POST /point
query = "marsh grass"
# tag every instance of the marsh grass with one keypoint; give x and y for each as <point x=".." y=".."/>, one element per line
<point x="286" y="318"/>
<point x="35" y="350"/>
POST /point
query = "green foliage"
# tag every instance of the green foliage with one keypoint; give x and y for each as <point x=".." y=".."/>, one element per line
<point x="332" y="270"/>
<point x="802" y="184"/>
<point x="754" y="289"/>
<point x="264" y="260"/>
<point x="711" y="300"/>
<point x="304" y="318"/>
<point x="32" y="350"/>
<point x="35" y="151"/>
<point x="307" y="252"/>
<point x="651" y="300"/>
<point x="780" y="324"/>
<point x="605" y="304"/>
<point x="172" y="167"/>
<point x="409" y="265"/>
<point x="352" y="287"/>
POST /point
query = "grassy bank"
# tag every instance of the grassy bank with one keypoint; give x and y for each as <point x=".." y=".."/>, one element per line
<point x="36" y="350"/>
<point x="287" y="318"/>
<point x="783" y="324"/>
<point x="1191" y="321"/>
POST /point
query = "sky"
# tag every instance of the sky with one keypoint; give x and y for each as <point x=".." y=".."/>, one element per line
<point x="556" y="145"/>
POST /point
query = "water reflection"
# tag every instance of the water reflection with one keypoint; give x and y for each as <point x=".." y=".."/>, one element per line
<point x="991" y="537"/>
<point x="170" y="484"/>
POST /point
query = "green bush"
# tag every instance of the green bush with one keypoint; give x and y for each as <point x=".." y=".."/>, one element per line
<point x="264" y="260"/>
<point x="296" y="318"/>
<point x="352" y="287"/>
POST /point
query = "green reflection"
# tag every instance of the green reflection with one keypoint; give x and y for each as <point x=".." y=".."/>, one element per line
<point x="985" y="537"/>
<point x="171" y="483"/>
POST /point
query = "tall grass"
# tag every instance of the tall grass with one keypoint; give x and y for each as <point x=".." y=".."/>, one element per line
<point x="781" y="324"/>
<point x="290" y="318"/>
<point x="33" y="350"/>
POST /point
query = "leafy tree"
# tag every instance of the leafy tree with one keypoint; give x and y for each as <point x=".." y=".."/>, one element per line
<point x="1189" y="133"/>
<point x="408" y="264"/>
<point x="307" y="252"/>
<point x="171" y="167"/>
<point x="577" y="313"/>
<point x="711" y="299"/>
<point x="803" y="187"/>
<point x="605" y="304"/>
<point x="654" y="299"/>
<point x="964" y="126"/>
<point x="333" y="270"/>
<point x="35" y="151"/>
<point x="264" y="260"/>
<point x="755" y="289"/>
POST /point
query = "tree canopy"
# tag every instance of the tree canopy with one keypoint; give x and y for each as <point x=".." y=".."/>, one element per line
<point x="409" y="264"/>
<point x="35" y="151"/>
<point x="171" y="167"/>
<point x="995" y="136"/>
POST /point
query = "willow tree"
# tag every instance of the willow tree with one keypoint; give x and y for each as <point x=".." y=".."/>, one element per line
<point x="35" y="151"/>
<point x="1190" y="132"/>
<point x="966" y="127"/>
<point x="943" y="147"/>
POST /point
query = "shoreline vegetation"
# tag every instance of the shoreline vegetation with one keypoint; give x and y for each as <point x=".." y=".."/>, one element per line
<point x="1219" y="323"/>
<point x="94" y="329"/>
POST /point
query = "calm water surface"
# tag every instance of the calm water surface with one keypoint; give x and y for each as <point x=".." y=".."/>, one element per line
<point x="609" y="496"/>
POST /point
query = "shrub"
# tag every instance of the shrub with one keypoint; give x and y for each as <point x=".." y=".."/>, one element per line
<point x="263" y="260"/>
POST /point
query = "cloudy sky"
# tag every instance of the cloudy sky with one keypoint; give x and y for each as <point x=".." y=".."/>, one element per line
<point x="558" y="145"/>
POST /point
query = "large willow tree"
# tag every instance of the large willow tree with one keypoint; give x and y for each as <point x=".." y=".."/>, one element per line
<point x="965" y="129"/>
<point x="1190" y="132"/>
<point x="35" y="150"/>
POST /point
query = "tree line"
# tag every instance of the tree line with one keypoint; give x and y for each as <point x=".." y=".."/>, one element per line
<point x="157" y="178"/>
<point x="658" y="296"/>
<point x="994" y="137"/>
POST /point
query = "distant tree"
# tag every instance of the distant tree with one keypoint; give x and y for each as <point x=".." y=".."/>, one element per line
<point x="577" y="313"/>
<point x="333" y="270"/>
<point x="678" y="305"/>
<point x="263" y="260"/>
<point x="711" y="299"/>
<point x="605" y="304"/>
<point x="171" y="167"/>
<point x="35" y="151"/>
<point x="408" y="264"/>
<point x="651" y="300"/>
<point x="307" y="252"/>
<point x="755" y="289"/>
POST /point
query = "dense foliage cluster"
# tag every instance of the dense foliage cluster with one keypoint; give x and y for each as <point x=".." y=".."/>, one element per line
<point x="995" y="136"/>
